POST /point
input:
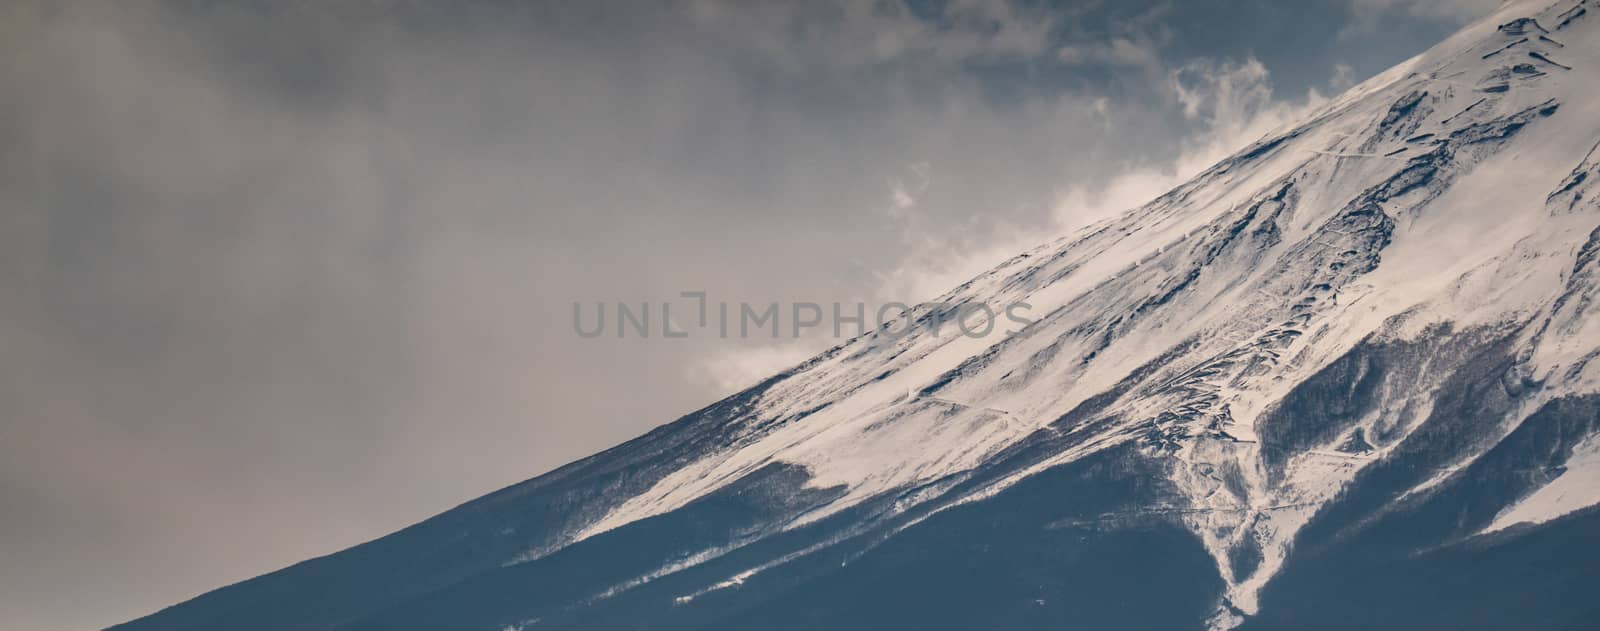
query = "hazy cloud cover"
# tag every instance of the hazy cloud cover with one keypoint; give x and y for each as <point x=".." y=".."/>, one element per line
<point x="276" y="278"/>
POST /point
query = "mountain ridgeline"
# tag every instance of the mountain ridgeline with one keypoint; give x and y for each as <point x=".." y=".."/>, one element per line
<point x="1345" y="378"/>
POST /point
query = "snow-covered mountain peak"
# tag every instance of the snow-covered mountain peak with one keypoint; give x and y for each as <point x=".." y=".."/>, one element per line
<point x="1445" y="193"/>
<point x="1365" y="336"/>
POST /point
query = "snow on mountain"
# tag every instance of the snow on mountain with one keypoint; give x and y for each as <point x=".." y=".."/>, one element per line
<point x="1381" y="314"/>
<point x="1428" y="196"/>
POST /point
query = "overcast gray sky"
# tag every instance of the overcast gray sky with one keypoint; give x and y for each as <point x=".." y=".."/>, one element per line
<point x="277" y="278"/>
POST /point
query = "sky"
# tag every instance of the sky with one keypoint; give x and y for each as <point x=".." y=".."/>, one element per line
<point x="279" y="278"/>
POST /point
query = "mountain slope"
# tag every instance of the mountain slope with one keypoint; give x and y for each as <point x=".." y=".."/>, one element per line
<point x="1360" y="347"/>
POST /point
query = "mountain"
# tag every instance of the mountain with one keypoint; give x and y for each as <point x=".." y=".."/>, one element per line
<point x="1345" y="378"/>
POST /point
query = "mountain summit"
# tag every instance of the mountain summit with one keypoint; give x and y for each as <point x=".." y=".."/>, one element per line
<point x="1345" y="378"/>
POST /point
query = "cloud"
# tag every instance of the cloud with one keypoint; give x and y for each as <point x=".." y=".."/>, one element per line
<point x="839" y="34"/>
<point x="1235" y="105"/>
<point x="1119" y="52"/>
<point x="1445" y="9"/>
<point x="735" y="369"/>
<point x="1232" y="103"/>
<point x="1369" y="16"/>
